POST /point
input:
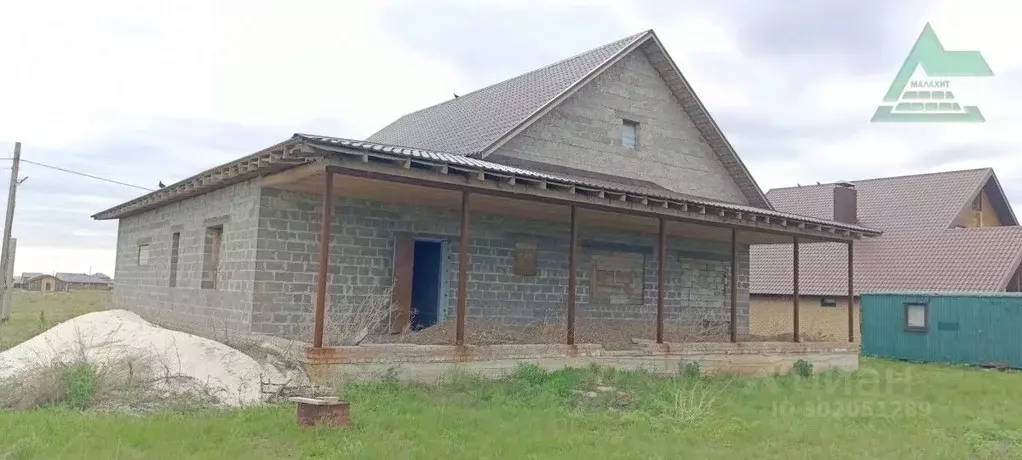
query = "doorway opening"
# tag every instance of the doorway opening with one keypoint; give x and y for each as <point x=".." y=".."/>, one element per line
<point x="427" y="282"/>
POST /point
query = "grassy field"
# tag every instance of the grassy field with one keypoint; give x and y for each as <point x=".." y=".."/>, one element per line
<point x="35" y="312"/>
<point x="886" y="410"/>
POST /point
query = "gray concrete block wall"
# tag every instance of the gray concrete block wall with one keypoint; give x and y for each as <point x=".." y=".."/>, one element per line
<point x="146" y="289"/>
<point x="584" y="132"/>
<point x="362" y="250"/>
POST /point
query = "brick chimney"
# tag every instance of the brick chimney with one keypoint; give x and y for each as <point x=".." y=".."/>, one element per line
<point x="845" y="203"/>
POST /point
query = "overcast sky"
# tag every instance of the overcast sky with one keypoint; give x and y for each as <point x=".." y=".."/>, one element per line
<point x="157" y="93"/>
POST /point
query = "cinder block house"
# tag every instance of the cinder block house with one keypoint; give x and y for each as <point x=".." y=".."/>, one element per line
<point x="596" y="187"/>
<point x="948" y="231"/>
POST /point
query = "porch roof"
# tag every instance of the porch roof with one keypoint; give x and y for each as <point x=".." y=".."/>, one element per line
<point x="445" y="170"/>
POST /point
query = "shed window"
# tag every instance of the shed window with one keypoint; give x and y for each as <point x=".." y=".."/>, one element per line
<point x="828" y="301"/>
<point x="916" y="318"/>
<point x="629" y="133"/>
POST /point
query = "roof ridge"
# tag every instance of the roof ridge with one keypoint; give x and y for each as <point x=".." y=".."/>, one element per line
<point x="629" y="39"/>
<point x="873" y="179"/>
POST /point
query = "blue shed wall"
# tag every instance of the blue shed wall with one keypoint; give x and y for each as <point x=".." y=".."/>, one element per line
<point x="964" y="328"/>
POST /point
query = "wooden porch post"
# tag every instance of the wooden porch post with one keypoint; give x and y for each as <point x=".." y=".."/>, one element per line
<point x="794" y="281"/>
<point x="326" y="219"/>
<point x="459" y="334"/>
<point x="851" y="298"/>
<point x="572" y="274"/>
<point x="734" y="285"/>
<point x="661" y="280"/>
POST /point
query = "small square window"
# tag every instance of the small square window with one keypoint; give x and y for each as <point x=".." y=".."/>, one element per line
<point x="629" y="134"/>
<point x="828" y="301"/>
<point x="143" y="254"/>
<point x="916" y="318"/>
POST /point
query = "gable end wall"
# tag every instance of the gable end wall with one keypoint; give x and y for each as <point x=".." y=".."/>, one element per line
<point x="584" y="132"/>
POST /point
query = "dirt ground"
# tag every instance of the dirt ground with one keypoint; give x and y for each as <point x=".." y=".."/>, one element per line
<point x="612" y="334"/>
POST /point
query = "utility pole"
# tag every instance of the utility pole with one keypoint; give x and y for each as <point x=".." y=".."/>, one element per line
<point x="6" y="258"/>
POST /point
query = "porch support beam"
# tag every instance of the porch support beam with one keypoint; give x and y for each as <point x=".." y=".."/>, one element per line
<point x="572" y="274"/>
<point x="415" y="176"/>
<point x="851" y="298"/>
<point x="794" y="281"/>
<point x="462" y="308"/>
<point x="734" y="285"/>
<point x="661" y="280"/>
<point x="326" y="218"/>
<point x="293" y="175"/>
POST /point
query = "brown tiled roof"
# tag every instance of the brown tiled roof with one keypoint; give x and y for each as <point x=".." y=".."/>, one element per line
<point x="479" y="122"/>
<point x="468" y="124"/>
<point x="919" y="250"/>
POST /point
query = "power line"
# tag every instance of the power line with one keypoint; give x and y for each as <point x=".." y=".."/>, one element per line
<point x="77" y="173"/>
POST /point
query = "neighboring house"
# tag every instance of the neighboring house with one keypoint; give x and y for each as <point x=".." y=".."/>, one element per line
<point x="950" y="231"/>
<point x="466" y="209"/>
<point x="82" y="281"/>
<point x="44" y="283"/>
<point x="64" y="282"/>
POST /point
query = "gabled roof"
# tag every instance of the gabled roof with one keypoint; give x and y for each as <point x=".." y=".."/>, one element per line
<point x="920" y="248"/>
<point x="478" y="123"/>
<point x="468" y="124"/>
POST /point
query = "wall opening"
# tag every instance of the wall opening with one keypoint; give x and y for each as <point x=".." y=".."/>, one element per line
<point x="427" y="280"/>
<point x="175" y="246"/>
<point x="47" y="286"/>
<point x="211" y="257"/>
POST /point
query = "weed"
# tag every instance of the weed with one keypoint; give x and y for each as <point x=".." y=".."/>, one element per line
<point x="691" y="370"/>
<point x="803" y="368"/>
<point x="78" y="384"/>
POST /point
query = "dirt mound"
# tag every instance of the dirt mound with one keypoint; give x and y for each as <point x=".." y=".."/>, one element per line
<point x="182" y="362"/>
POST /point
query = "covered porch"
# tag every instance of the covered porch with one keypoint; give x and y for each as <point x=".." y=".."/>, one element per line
<point x="678" y="236"/>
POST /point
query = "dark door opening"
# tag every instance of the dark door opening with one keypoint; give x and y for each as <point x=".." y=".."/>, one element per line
<point x="426" y="281"/>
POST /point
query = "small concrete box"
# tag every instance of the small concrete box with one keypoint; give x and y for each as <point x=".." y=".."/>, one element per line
<point x="326" y="410"/>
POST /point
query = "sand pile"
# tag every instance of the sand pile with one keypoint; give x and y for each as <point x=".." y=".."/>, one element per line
<point x="118" y="337"/>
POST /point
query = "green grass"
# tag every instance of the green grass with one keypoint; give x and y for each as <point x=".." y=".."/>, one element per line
<point x="886" y="410"/>
<point x="35" y="312"/>
<point x="917" y="411"/>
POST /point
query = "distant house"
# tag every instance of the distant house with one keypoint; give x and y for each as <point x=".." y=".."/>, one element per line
<point x="949" y="231"/>
<point x="41" y="282"/>
<point x="67" y="282"/>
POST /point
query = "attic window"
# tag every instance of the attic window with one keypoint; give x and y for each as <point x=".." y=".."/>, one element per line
<point x="629" y="133"/>
<point x="977" y="204"/>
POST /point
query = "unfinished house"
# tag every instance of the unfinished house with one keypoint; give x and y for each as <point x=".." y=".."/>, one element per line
<point x="594" y="197"/>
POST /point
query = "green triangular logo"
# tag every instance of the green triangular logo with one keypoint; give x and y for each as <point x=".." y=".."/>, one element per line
<point x="931" y="100"/>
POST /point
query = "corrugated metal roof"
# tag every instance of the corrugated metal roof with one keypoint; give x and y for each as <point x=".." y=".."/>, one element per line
<point x="919" y="249"/>
<point x="496" y="168"/>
